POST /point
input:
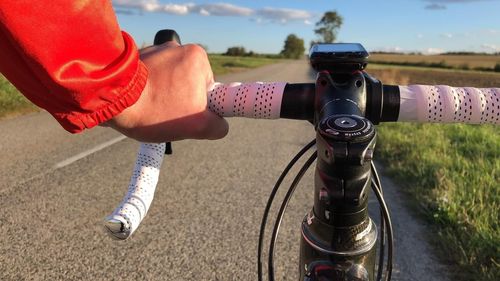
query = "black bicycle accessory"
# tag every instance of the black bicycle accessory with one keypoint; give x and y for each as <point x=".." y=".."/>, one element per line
<point x="338" y="57"/>
<point x="338" y="237"/>
<point x="166" y="35"/>
<point x="338" y="229"/>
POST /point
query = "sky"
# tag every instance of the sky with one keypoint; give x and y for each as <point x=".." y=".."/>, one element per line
<point x="427" y="26"/>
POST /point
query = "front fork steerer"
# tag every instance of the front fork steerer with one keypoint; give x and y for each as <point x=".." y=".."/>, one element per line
<point x="349" y="254"/>
<point x="338" y="237"/>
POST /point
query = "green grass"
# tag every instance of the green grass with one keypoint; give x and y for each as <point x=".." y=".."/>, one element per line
<point x="11" y="101"/>
<point x="227" y="64"/>
<point x="453" y="172"/>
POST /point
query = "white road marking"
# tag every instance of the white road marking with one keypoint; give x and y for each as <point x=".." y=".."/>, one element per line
<point x="88" y="152"/>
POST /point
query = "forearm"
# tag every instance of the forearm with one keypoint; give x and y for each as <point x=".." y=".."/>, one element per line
<point x="70" y="58"/>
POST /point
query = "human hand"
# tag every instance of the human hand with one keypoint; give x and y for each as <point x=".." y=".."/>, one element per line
<point x="173" y="104"/>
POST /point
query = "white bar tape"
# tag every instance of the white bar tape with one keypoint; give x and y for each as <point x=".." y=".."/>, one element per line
<point x="445" y="104"/>
<point x="135" y="205"/>
<point x="252" y="100"/>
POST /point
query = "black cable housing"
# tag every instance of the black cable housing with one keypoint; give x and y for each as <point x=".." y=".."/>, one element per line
<point x="382" y="227"/>
<point x="270" y="201"/>
<point x="387" y="218"/>
<point x="282" y="210"/>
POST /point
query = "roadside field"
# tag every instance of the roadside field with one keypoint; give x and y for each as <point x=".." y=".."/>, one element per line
<point x="452" y="172"/>
<point x="416" y="75"/>
<point x="455" y="61"/>
<point x="228" y="64"/>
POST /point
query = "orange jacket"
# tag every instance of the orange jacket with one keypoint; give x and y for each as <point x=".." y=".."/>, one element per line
<point x="70" y="58"/>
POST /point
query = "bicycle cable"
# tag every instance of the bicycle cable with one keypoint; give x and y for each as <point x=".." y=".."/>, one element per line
<point x="271" y="199"/>
<point x="382" y="228"/>
<point x="390" y="242"/>
<point x="385" y="222"/>
<point x="282" y="210"/>
<point x="386" y="225"/>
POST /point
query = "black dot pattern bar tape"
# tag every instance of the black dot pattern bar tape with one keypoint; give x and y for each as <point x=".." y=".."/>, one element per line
<point x="445" y="104"/>
<point x="131" y="211"/>
<point x="252" y="100"/>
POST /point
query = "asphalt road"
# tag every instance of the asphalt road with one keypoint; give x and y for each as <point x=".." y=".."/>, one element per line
<point x="56" y="188"/>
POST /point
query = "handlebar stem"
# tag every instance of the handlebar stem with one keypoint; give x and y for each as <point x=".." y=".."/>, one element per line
<point x="338" y="237"/>
<point x="339" y="94"/>
<point x="345" y="143"/>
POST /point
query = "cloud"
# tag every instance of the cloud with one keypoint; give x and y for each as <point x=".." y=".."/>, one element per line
<point x="145" y="5"/>
<point x="281" y="15"/>
<point x="220" y="9"/>
<point x="153" y="6"/>
<point x="175" y="9"/>
<point x="441" y="4"/>
<point x="125" y="12"/>
<point x="433" y="51"/>
<point x="420" y="36"/>
<point x="435" y="7"/>
<point x="447" y="35"/>
<point x="491" y="47"/>
<point x="395" y="49"/>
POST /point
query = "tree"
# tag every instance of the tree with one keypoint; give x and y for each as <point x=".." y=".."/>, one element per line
<point x="235" y="51"/>
<point x="328" y="26"/>
<point x="294" y="47"/>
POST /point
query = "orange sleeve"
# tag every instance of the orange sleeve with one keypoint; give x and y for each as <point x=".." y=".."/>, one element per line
<point x="70" y="58"/>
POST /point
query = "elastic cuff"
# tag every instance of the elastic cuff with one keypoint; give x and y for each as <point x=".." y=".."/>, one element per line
<point x="77" y="122"/>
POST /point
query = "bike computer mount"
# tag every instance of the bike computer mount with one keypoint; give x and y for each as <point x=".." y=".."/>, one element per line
<point x="338" y="57"/>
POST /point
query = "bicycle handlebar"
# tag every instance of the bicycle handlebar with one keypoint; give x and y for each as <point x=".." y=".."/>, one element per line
<point x="273" y="100"/>
<point x="416" y="103"/>
<point x="131" y="211"/>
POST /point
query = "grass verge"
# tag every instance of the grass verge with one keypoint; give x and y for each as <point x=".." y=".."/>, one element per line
<point x="453" y="172"/>
<point x="13" y="103"/>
